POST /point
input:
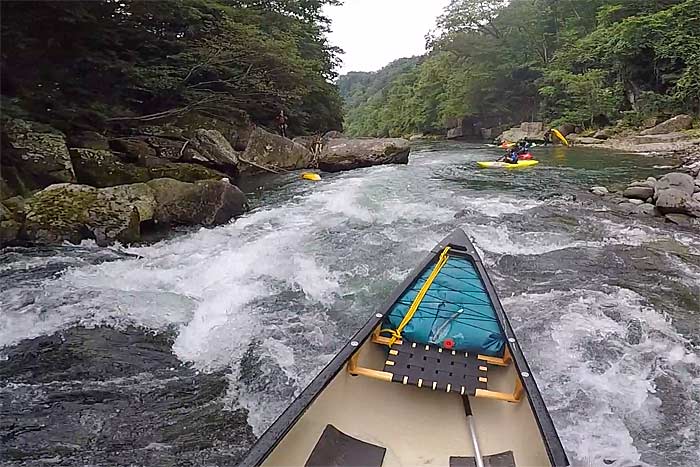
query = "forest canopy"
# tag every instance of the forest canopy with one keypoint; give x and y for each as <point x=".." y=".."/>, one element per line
<point x="585" y="62"/>
<point x="90" y="63"/>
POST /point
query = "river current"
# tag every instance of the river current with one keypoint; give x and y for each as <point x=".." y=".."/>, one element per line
<point x="183" y="351"/>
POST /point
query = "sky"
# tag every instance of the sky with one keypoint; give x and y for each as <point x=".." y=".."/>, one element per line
<point x="374" y="32"/>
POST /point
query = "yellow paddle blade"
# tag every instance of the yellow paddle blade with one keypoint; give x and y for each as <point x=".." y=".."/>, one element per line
<point x="311" y="176"/>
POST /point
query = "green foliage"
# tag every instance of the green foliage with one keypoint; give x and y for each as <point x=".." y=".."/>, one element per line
<point x="89" y="62"/>
<point x="577" y="61"/>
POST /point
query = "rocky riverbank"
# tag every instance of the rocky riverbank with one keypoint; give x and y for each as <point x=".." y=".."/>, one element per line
<point x="58" y="187"/>
<point x="674" y="196"/>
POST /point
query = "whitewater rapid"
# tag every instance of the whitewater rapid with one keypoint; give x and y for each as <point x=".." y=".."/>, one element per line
<point x="605" y="307"/>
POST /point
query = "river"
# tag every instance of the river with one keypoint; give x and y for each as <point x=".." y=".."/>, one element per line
<point x="183" y="351"/>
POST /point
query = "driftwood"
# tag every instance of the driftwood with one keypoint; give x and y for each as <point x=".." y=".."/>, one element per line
<point x="259" y="166"/>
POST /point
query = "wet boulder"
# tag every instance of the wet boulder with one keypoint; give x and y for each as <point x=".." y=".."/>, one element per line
<point x="132" y="149"/>
<point x="599" y="190"/>
<point x="206" y="202"/>
<point x="532" y="131"/>
<point x="672" y="200"/>
<point x="269" y="151"/>
<point x="604" y="133"/>
<point x="677" y="123"/>
<point x="347" y="154"/>
<point x="639" y="192"/>
<point x="37" y="154"/>
<point x="104" y="168"/>
<point x="182" y="171"/>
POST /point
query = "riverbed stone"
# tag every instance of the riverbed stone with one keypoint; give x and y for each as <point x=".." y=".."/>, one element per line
<point x="599" y="190"/>
<point x="647" y="208"/>
<point x="585" y="140"/>
<point x="89" y="140"/>
<point x="604" y="133"/>
<point x="638" y="202"/>
<point x="679" y="181"/>
<point x="678" y="219"/>
<point x="672" y="200"/>
<point x="638" y="192"/>
<point x="346" y="154"/>
<point x="677" y="123"/>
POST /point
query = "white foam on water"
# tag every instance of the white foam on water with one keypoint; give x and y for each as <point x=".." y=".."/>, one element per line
<point x="602" y="385"/>
<point x="498" y="238"/>
<point x="496" y="206"/>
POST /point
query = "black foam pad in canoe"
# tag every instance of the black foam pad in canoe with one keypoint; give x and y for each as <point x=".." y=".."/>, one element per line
<point x="504" y="459"/>
<point x="336" y="449"/>
<point x="431" y="367"/>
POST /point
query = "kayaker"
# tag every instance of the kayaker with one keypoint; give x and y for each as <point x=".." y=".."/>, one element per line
<point x="511" y="157"/>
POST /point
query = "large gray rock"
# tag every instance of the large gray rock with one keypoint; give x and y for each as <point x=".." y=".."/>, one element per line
<point x="206" y="202"/>
<point x="89" y="140"/>
<point x="665" y="138"/>
<point x="680" y="181"/>
<point x="599" y="190"/>
<point x="133" y="149"/>
<point x="214" y="149"/>
<point x="533" y="131"/>
<point x="68" y="212"/>
<point x="38" y="154"/>
<point x="182" y="171"/>
<point x="103" y="169"/>
<point x="604" y="133"/>
<point x="638" y="192"/>
<point x="273" y="152"/>
<point x="347" y="154"/>
<point x="672" y="200"/>
<point x="677" y="123"/>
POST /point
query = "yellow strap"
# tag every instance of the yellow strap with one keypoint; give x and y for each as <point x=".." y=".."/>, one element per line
<point x="396" y="334"/>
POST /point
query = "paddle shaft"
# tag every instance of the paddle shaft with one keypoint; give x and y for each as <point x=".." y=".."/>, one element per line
<point x="472" y="431"/>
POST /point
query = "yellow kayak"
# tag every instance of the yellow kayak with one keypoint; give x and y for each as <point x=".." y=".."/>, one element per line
<point x="314" y="177"/>
<point x="505" y="165"/>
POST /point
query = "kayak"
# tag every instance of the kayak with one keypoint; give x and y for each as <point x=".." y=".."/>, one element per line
<point x="314" y="177"/>
<point x="436" y="376"/>
<point x="505" y="165"/>
<point x="525" y="157"/>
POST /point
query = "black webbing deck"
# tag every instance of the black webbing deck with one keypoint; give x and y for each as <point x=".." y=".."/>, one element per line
<point x="435" y="368"/>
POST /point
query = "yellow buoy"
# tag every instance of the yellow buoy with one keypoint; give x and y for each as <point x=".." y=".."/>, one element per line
<point x="311" y="176"/>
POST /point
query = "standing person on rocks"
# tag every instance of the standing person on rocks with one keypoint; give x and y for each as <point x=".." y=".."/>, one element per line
<point x="281" y="120"/>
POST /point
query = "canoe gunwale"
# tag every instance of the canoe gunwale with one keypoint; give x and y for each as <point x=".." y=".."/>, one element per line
<point x="460" y="244"/>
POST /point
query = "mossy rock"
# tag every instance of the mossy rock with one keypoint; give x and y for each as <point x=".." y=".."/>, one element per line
<point x="103" y="169"/>
<point x="185" y="172"/>
<point x="69" y="212"/>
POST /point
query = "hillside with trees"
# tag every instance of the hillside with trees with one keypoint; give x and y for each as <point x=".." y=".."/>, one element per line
<point x="585" y="62"/>
<point x="99" y="64"/>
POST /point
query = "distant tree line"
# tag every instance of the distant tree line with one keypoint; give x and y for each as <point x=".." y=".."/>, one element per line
<point x="586" y="62"/>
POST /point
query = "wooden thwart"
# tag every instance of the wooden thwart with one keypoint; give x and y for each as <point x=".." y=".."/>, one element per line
<point x="432" y="367"/>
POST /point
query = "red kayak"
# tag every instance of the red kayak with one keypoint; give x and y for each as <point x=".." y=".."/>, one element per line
<point x="525" y="157"/>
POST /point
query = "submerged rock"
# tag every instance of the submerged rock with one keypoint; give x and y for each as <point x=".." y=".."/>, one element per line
<point x="679" y="219"/>
<point x="273" y="152"/>
<point x="599" y="190"/>
<point x="347" y="154"/>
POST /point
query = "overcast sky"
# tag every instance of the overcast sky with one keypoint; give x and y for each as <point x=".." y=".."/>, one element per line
<point x="374" y="32"/>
